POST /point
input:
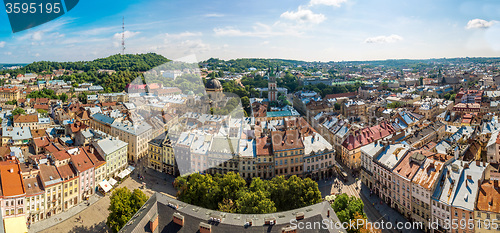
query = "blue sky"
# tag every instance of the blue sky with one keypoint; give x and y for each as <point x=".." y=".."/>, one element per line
<point x="311" y="30"/>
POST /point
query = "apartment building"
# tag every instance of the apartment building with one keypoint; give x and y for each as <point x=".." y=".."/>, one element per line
<point x="161" y="154"/>
<point x="319" y="157"/>
<point x="351" y="147"/>
<point x="264" y="153"/>
<point x="52" y="184"/>
<point x="423" y="183"/>
<point x="114" y="152"/>
<point x="30" y="121"/>
<point x="288" y="151"/>
<point x="384" y="163"/>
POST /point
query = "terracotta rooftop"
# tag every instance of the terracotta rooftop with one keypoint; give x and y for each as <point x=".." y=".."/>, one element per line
<point x="49" y="175"/>
<point x="348" y="95"/>
<point x="108" y="104"/>
<point x="429" y="174"/>
<point x="26" y="118"/>
<point x="66" y="172"/>
<point x="8" y="89"/>
<point x="33" y="186"/>
<point x="488" y="198"/>
<point x="10" y="175"/>
<point x="81" y="161"/>
<point x="263" y="148"/>
<point x="41" y="106"/>
<point x="36" y="133"/>
<point x="41" y="141"/>
<point x="368" y="135"/>
<point x="42" y="100"/>
<point x="96" y="159"/>
<point x="286" y="140"/>
<point x="61" y="155"/>
<point x="77" y="126"/>
<point x="410" y="164"/>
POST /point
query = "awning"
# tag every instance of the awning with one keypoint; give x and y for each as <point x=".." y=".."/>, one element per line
<point x="123" y="173"/>
<point x="105" y="186"/>
<point x="15" y="225"/>
<point x="112" y="181"/>
<point x="131" y="168"/>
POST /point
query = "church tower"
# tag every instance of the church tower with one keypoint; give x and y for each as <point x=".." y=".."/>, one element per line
<point x="272" y="91"/>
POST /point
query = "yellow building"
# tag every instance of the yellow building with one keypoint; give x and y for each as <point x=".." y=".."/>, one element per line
<point x="9" y="93"/>
<point x="487" y="207"/>
<point x="161" y="155"/>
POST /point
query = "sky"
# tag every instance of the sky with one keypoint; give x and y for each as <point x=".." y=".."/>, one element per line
<point x="308" y="30"/>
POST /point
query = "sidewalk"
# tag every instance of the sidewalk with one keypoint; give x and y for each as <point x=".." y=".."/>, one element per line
<point x="61" y="217"/>
<point x="388" y="213"/>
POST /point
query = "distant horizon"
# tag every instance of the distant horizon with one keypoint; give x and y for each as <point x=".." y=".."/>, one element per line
<point x="305" y="30"/>
<point x="389" y="59"/>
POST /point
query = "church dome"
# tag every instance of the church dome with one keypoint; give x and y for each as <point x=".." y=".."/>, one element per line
<point x="213" y="84"/>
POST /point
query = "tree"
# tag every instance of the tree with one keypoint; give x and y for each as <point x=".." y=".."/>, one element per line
<point x="230" y="193"/>
<point x="124" y="204"/>
<point x="42" y="112"/>
<point x="337" y="106"/>
<point x="18" y="111"/>
<point x="348" y="209"/>
<point x="82" y="97"/>
<point x="63" y="97"/>
<point x="255" y="203"/>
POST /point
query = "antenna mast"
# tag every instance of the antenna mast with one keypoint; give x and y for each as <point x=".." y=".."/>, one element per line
<point x="123" y="35"/>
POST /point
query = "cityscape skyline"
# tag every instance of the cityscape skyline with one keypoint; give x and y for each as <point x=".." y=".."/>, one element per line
<point x="313" y="30"/>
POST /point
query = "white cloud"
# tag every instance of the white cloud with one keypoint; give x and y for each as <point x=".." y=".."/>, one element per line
<point x="214" y="15"/>
<point x="479" y="23"/>
<point x="126" y="34"/>
<point x="335" y="3"/>
<point x="2" y="44"/>
<point x="8" y="53"/>
<point x="261" y="30"/>
<point x="383" y="39"/>
<point x="37" y="35"/>
<point x="183" y="34"/>
<point x="304" y="16"/>
<point x="118" y="36"/>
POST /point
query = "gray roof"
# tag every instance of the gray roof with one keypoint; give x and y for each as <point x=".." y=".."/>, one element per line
<point x="103" y="118"/>
<point x="132" y="128"/>
<point x="17" y="133"/>
<point x="110" y="145"/>
<point x="158" y="206"/>
<point x="316" y="143"/>
<point x="247" y="148"/>
<point x="389" y="158"/>
<point x="467" y="189"/>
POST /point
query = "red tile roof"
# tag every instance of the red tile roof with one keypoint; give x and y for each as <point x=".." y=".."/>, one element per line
<point x="263" y="148"/>
<point x="96" y="159"/>
<point x="286" y="140"/>
<point x="81" y="161"/>
<point x="12" y="182"/>
<point x="348" y="95"/>
<point x="41" y="106"/>
<point x="41" y="142"/>
<point x="66" y="172"/>
<point x="49" y="173"/>
<point x="368" y="135"/>
<point x="61" y="155"/>
<point x="26" y="118"/>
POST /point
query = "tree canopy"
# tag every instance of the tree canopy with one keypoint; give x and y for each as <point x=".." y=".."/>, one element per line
<point x="231" y="193"/>
<point x="349" y="208"/>
<point x="124" y="204"/>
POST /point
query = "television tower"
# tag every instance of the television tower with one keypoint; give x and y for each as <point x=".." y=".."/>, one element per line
<point x="123" y="35"/>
